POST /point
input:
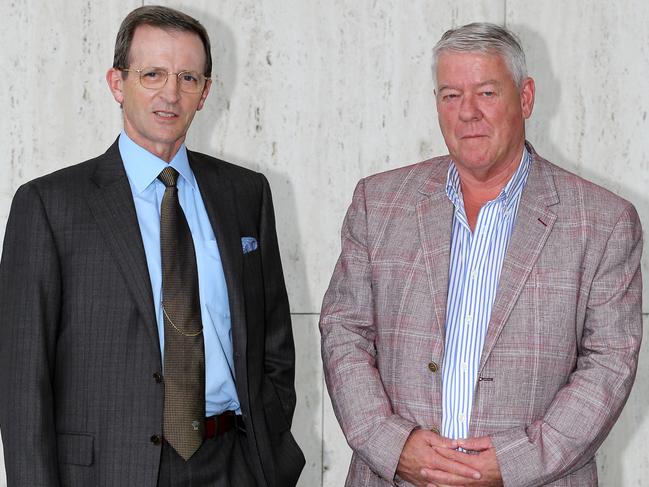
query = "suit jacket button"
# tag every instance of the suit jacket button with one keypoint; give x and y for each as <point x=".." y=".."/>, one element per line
<point x="435" y="430"/>
<point x="433" y="367"/>
<point x="158" y="377"/>
<point x="155" y="439"/>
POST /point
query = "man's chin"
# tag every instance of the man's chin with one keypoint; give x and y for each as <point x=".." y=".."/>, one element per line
<point x="473" y="158"/>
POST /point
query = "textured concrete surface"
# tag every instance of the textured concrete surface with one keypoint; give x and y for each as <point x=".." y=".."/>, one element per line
<point x="319" y="93"/>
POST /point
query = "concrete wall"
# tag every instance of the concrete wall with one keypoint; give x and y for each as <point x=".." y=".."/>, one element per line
<point x="318" y="93"/>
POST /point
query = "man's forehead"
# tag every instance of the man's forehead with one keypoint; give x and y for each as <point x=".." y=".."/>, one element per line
<point x="449" y="56"/>
<point x="478" y="67"/>
<point x="149" y="40"/>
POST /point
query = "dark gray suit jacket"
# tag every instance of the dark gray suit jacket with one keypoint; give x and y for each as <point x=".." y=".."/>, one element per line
<point x="79" y="348"/>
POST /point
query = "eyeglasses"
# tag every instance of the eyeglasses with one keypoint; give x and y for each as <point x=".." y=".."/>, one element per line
<point x="155" y="78"/>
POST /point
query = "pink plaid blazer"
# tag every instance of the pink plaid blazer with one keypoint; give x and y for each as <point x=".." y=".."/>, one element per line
<point x="562" y="345"/>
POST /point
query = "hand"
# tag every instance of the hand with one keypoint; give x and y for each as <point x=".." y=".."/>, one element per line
<point x="422" y="453"/>
<point x="481" y="457"/>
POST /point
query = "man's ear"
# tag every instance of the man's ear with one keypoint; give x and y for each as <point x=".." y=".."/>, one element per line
<point x="206" y="91"/>
<point x="115" y="84"/>
<point x="527" y="97"/>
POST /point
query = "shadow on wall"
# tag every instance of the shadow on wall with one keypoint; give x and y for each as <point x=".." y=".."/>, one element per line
<point x="224" y="73"/>
<point x="546" y="108"/>
<point x="224" y="76"/>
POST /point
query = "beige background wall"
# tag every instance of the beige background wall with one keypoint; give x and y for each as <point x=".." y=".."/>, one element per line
<point x="318" y="93"/>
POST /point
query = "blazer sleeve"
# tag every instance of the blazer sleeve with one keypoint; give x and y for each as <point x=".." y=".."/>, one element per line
<point x="30" y="286"/>
<point x="279" y="347"/>
<point x="348" y="330"/>
<point x="583" y="412"/>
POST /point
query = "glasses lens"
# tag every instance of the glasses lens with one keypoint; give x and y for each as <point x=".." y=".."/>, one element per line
<point x="190" y="81"/>
<point x="153" y="77"/>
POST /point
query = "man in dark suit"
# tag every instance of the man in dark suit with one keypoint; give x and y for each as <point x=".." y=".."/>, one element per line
<point x="145" y="335"/>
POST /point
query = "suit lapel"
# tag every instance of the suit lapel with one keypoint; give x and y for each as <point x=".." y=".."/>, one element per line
<point x="435" y="220"/>
<point x="533" y="225"/>
<point x="220" y="202"/>
<point x="112" y="205"/>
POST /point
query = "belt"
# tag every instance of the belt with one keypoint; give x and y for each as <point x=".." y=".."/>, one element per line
<point x="221" y="424"/>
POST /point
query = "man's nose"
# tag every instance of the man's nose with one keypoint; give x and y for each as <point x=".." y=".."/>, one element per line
<point x="469" y="109"/>
<point x="171" y="90"/>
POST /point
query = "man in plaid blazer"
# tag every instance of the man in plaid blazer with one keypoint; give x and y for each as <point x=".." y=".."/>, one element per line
<point x="483" y="321"/>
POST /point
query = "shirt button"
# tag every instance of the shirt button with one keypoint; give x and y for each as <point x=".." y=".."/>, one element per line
<point x="462" y="417"/>
<point x="474" y="274"/>
<point x="469" y="319"/>
<point x="155" y="439"/>
<point x="157" y="377"/>
<point x="464" y="366"/>
<point x="433" y="367"/>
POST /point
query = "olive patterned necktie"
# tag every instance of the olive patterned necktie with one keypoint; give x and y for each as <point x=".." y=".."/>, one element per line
<point x="184" y="354"/>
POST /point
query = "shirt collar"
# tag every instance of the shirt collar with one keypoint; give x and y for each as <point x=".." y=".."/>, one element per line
<point x="507" y="195"/>
<point x="142" y="167"/>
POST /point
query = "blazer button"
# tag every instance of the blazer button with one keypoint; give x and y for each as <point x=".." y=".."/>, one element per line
<point x="435" y="430"/>
<point x="433" y="367"/>
<point x="157" y="377"/>
<point x="155" y="439"/>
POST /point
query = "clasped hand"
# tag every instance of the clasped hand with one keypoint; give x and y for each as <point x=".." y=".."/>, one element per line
<point x="430" y="460"/>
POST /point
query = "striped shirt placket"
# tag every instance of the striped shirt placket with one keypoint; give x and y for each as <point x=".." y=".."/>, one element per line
<point x="475" y="263"/>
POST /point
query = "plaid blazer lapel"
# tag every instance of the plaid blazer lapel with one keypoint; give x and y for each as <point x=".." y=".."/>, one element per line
<point x="435" y="220"/>
<point x="533" y="226"/>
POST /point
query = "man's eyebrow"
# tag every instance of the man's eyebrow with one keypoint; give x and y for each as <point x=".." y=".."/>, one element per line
<point x="477" y="85"/>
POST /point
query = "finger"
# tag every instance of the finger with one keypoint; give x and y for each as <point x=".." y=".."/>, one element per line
<point x="460" y="463"/>
<point x="475" y="444"/>
<point x="457" y="463"/>
<point x="460" y="457"/>
<point x="438" y="440"/>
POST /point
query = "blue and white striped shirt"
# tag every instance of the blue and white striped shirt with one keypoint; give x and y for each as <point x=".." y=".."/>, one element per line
<point x="474" y="272"/>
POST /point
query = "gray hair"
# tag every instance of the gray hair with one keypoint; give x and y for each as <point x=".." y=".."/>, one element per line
<point x="163" y="18"/>
<point x="486" y="38"/>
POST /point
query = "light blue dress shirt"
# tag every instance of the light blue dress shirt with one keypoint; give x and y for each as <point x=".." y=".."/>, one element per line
<point x="142" y="169"/>
<point x="476" y="261"/>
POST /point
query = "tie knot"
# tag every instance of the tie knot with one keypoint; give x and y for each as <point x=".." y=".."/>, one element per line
<point x="168" y="176"/>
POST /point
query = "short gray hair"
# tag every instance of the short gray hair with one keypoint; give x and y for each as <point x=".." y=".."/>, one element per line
<point x="486" y="38"/>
